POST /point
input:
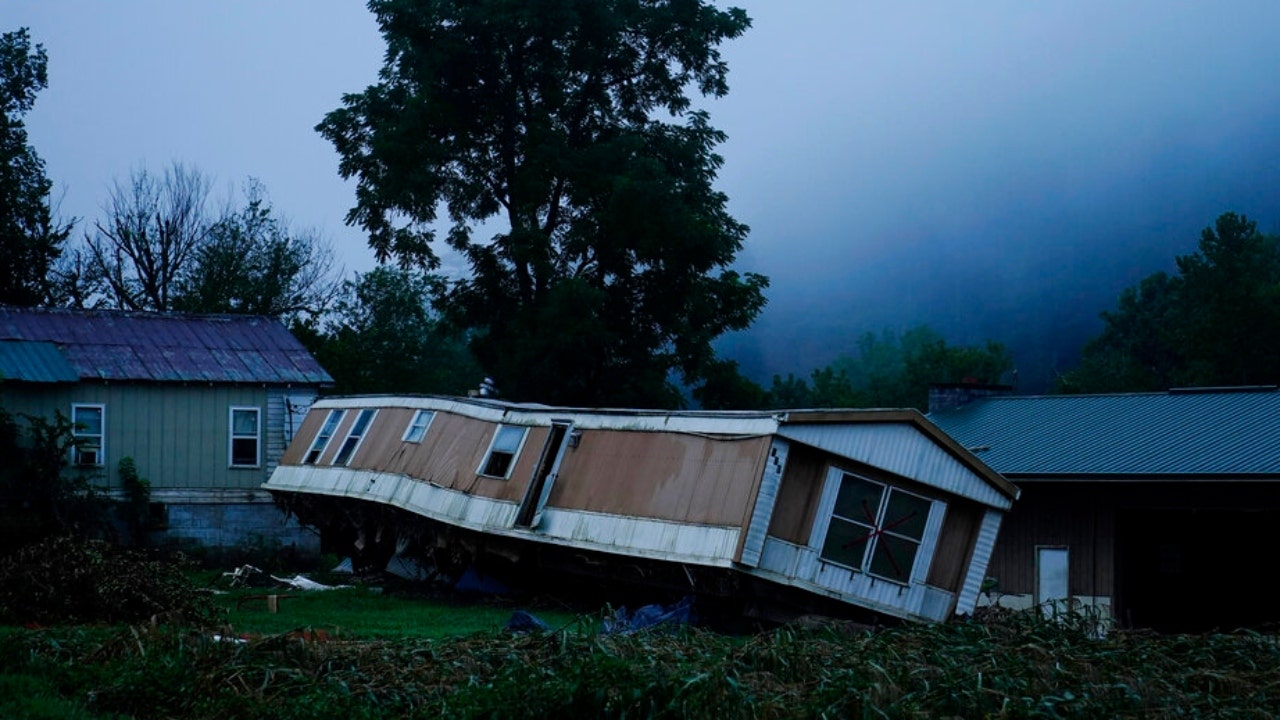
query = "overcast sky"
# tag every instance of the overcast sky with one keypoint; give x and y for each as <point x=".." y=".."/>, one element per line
<point x="997" y="169"/>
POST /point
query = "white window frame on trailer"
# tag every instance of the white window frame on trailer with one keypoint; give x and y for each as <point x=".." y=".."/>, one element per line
<point x="324" y="436"/>
<point x="234" y="436"/>
<point x="489" y="456"/>
<point x="355" y="436"/>
<point x="79" y="453"/>
<point x="880" y="527"/>
<point x="418" y="426"/>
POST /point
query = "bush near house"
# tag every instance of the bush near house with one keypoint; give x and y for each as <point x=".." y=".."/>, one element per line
<point x="64" y="580"/>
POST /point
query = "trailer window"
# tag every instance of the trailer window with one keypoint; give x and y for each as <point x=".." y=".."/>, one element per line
<point x="418" y="426"/>
<point x="502" y="451"/>
<point x="358" y="430"/>
<point x="875" y="528"/>
<point x="322" y="438"/>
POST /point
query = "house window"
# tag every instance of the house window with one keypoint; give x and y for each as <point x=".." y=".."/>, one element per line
<point x="502" y="451"/>
<point x="87" y="429"/>
<point x="245" y="436"/>
<point x="418" y="426"/>
<point x="322" y="438"/>
<point x="875" y="528"/>
<point x="358" y="429"/>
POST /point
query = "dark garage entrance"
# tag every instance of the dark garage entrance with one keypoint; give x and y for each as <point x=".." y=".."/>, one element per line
<point x="1196" y="570"/>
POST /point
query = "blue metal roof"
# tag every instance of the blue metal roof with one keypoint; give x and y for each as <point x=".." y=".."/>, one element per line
<point x="1202" y="432"/>
<point x="39" y="362"/>
<point x="166" y="347"/>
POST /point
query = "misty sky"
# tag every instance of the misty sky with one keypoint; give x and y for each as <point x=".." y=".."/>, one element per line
<point x="995" y="169"/>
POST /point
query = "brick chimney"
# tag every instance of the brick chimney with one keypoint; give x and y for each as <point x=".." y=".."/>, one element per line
<point x="949" y="396"/>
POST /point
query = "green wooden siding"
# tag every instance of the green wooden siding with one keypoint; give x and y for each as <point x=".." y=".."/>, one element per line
<point x="179" y="436"/>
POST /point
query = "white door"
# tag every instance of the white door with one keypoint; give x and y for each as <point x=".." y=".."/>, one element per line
<point x="1051" y="580"/>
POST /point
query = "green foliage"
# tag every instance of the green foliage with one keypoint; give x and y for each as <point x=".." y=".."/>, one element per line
<point x="383" y="337"/>
<point x="66" y="580"/>
<point x="1017" y="666"/>
<point x="892" y="372"/>
<point x="158" y="247"/>
<point x="612" y="271"/>
<point x="252" y="262"/>
<point x="30" y="238"/>
<point x="135" y="510"/>
<point x="361" y="613"/>
<point x="37" y="484"/>
<point x="1215" y="322"/>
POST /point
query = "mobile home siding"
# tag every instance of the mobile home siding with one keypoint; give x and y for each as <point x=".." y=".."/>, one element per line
<point x="955" y="545"/>
<point x="676" y="477"/>
<point x="798" y="495"/>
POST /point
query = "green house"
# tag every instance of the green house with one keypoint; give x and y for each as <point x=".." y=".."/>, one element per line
<point x="203" y="404"/>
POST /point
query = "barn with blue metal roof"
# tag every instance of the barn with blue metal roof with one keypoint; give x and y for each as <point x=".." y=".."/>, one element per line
<point x="1157" y="509"/>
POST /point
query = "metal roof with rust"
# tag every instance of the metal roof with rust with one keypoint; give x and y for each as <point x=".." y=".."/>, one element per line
<point x="1191" y="433"/>
<point x="40" y="344"/>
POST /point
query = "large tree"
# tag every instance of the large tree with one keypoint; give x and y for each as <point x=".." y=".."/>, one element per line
<point x="30" y="236"/>
<point x="252" y="261"/>
<point x="892" y="371"/>
<point x="610" y="267"/>
<point x="159" y="247"/>
<point x="152" y="228"/>
<point x="382" y="336"/>
<point x="1216" y="321"/>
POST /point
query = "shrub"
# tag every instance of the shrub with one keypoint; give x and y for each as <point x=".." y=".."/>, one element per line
<point x="65" y="580"/>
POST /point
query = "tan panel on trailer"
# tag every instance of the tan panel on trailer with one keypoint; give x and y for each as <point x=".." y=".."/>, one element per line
<point x="669" y="476"/>
<point x="306" y="435"/>
<point x="382" y="441"/>
<point x="955" y="544"/>
<point x="799" y="494"/>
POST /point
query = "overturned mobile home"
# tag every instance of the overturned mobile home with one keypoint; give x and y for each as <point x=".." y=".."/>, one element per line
<point x="871" y="510"/>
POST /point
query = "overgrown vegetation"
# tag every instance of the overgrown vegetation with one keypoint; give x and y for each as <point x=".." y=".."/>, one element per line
<point x="64" y="580"/>
<point x="38" y="496"/>
<point x="1018" y="666"/>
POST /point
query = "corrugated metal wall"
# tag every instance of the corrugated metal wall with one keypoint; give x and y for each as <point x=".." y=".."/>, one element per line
<point x="1069" y="515"/>
<point x="449" y="455"/>
<point x="685" y="478"/>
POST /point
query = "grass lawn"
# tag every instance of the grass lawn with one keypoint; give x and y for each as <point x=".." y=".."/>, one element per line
<point x="370" y="613"/>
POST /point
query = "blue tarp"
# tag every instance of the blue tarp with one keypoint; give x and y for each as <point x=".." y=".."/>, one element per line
<point x="649" y="616"/>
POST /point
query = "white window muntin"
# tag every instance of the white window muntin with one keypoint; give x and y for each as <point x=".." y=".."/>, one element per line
<point x="826" y="508"/>
<point x="355" y="436"/>
<point x="418" y="426"/>
<point x="245" y="426"/>
<point x="89" y="426"/>
<point x="327" y="430"/>
<point x="506" y="443"/>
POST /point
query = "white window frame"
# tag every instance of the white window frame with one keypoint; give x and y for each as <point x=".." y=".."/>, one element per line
<point x="318" y="446"/>
<point x="101" y="435"/>
<point x="232" y="436"/>
<point x="356" y="433"/>
<point x="420" y="422"/>
<point x="925" y="545"/>
<point x="515" y="455"/>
